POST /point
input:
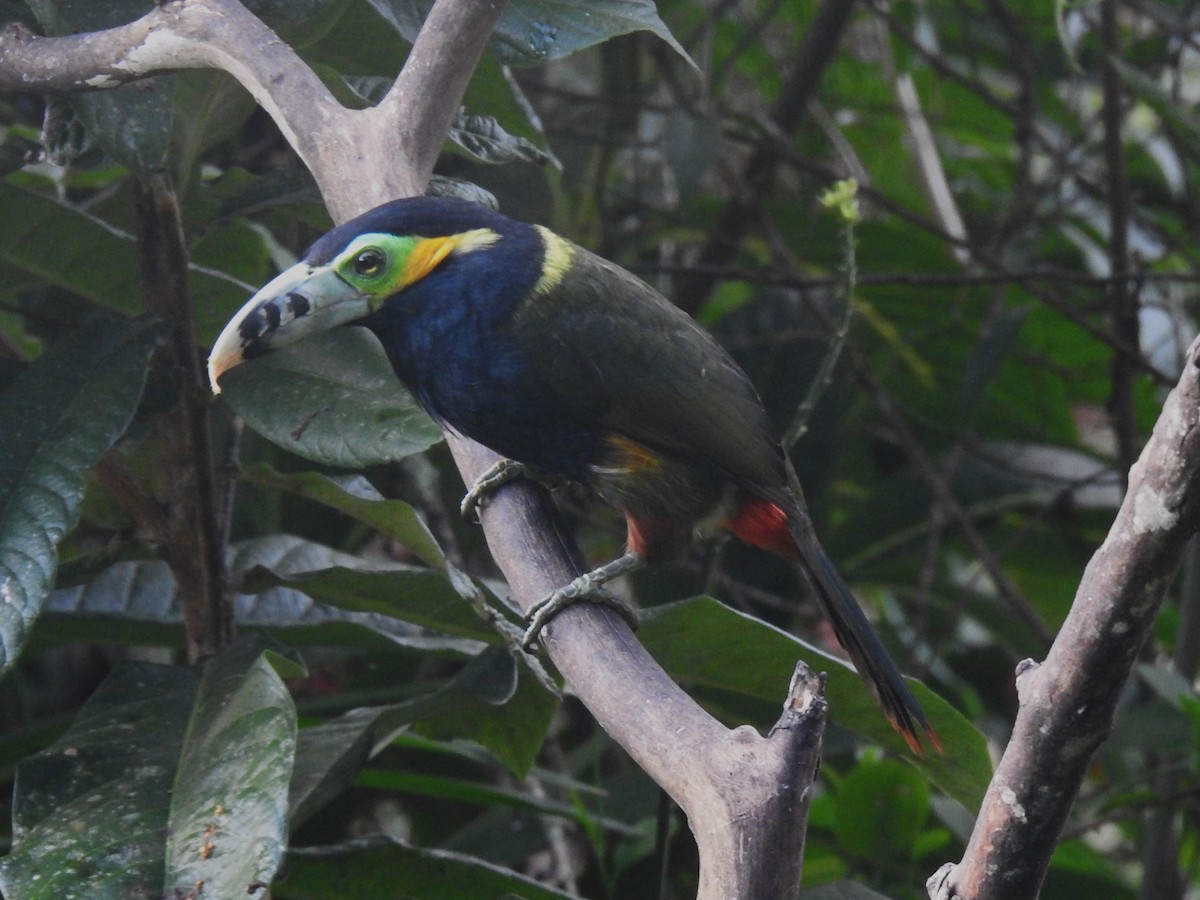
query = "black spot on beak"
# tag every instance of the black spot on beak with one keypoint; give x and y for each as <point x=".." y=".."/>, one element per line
<point x="252" y="327"/>
<point x="299" y="304"/>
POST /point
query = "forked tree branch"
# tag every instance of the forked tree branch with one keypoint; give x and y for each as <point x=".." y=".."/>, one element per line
<point x="1068" y="702"/>
<point x="746" y="796"/>
<point x="359" y="157"/>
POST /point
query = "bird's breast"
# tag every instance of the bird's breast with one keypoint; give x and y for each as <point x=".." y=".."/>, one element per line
<point x="469" y="374"/>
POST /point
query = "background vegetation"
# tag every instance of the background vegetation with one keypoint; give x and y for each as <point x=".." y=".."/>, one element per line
<point x="1025" y="261"/>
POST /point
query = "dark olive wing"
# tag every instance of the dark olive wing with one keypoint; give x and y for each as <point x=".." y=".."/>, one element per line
<point x="620" y="354"/>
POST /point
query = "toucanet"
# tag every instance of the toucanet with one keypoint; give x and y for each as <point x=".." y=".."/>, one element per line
<point x="576" y="370"/>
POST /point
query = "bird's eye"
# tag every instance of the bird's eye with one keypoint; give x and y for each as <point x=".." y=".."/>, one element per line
<point x="369" y="262"/>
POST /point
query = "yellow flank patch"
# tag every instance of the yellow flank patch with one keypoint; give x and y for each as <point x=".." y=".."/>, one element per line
<point x="428" y="253"/>
<point x="557" y="260"/>
<point x="634" y="457"/>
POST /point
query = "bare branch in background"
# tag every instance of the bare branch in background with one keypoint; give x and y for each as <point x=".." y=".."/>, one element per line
<point x="1068" y="701"/>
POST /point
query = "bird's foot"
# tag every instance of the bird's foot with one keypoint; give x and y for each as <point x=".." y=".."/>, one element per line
<point x="587" y="587"/>
<point x="499" y="473"/>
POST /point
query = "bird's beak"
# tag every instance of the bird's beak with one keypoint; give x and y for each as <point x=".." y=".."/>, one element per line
<point x="300" y="301"/>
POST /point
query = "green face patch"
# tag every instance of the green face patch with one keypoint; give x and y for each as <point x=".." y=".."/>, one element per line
<point x="380" y="265"/>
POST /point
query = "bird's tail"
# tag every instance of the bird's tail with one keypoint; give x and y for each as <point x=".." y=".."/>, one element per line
<point x="787" y="530"/>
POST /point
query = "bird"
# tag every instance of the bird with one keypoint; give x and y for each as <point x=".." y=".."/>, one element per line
<point x="571" y="369"/>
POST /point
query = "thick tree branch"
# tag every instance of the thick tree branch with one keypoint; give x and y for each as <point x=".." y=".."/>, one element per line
<point x="188" y="528"/>
<point x="435" y="70"/>
<point x="1068" y="702"/>
<point x="181" y="34"/>
<point x="359" y="157"/>
<point x="746" y="796"/>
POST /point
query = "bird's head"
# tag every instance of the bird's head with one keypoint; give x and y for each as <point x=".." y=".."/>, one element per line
<point x="351" y="271"/>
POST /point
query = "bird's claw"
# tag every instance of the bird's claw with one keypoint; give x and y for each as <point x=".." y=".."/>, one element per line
<point x="499" y="473"/>
<point x="546" y="609"/>
<point x="588" y="586"/>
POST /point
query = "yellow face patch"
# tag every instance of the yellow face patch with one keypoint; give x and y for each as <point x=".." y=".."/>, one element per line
<point x="557" y="260"/>
<point x="427" y="253"/>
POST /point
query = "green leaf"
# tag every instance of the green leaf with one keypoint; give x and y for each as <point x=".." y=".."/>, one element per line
<point x="441" y="186"/>
<point x="483" y="138"/>
<point x="168" y="777"/>
<point x="494" y="90"/>
<point x="355" y="497"/>
<point x="995" y="346"/>
<point x="418" y="596"/>
<point x="492" y="701"/>
<point x="384" y="868"/>
<point x="90" y="257"/>
<point x="328" y="757"/>
<point x="116" y="764"/>
<point x="498" y="703"/>
<point x="231" y="788"/>
<point x="1077" y="870"/>
<point x="734" y="657"/>
<point x="287" y="555"/>
<point x="841" y="890"/>
<point x="533" y="32"/>
<point x="332" y="398"/>
<point x="299" y="22"/>
<point x="58" y="418"/>
<point x="143" y="593"/>
<point x="881" y="810"/>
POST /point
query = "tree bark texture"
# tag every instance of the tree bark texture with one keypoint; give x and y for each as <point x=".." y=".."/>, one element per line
<point x="1068" y="701"/>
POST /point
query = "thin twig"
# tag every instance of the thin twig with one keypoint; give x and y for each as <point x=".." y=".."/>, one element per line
<point x="846" y="210"/>
<point x="1122" y="299"/>
<point x="741" y="212"/>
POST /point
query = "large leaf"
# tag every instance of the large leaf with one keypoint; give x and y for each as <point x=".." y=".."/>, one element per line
<point x="423" y="598"/>
<point x="60" y="415"/>
<point x="137" y="599"/>
<point x="328" y="757"/>
<point x="842" y="890"/>
<point x="299" y="22"/>
<point x="89" y="258"/>
<point x="332" y="398"/>
<point x="368" y="590"/>
<point x="497" y="702"/>
<point x="486" y="140"/>
<point x="384" y="868"/>
<point x="493" y="700"/>
<point x="229" y="801"/>
<point x="167" y="778"/>
<point x="533" y="32"/>
<point x="735" y="657"/>
<point x="880" y="810"/>
<point x="115" y="764"/>
<point x="354" y="496"/>
<point x="92" y="258"/>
